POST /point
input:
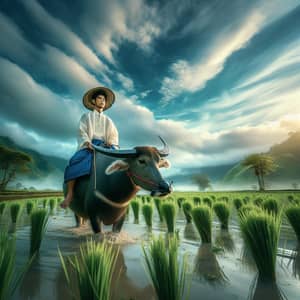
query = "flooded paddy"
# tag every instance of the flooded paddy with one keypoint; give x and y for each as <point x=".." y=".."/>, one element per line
<point x="223" y="271"/>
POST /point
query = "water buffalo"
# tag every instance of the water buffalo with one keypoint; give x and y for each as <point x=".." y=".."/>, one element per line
<point x="116" y="177"/>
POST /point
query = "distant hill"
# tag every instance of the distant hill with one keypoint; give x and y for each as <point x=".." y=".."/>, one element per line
<point x="43" y="167"/>
<point x="287" y="156"/>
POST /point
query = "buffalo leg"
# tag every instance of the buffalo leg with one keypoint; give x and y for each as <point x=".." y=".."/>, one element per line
<point x="96" y="224"/>
<point x="78" y="220"/>
<point x="117" y="227"/>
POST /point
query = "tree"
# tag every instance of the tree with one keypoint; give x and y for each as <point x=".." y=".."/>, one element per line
<point x="202" y="181"/>
<point x="11" y="163"/>
<point x="262" y="165"/>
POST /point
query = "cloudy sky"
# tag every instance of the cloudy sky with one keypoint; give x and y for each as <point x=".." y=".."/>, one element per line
<point x="217" y="79"/>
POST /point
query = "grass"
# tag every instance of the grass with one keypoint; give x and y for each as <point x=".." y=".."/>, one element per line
<point x="157" y="202"/>
<point x="260" y="231"/>
<point x="39" y="220"/>
<point x="202" y="217"/>
<point x="135" y="204"/>
<point x="2" y="208"/>
<point x="29" y="207"/>
<point x="293" y="215"/>
<point x="167" y="274"/>
<point x="15" y="210"/>
<point x="147" y="211"/>
<point x="169" y="213"/>
<point x="222" y="210"/>
<point x="93" y="268"/>
<point x="187" y="210"/>
<point x="9" y="278"/>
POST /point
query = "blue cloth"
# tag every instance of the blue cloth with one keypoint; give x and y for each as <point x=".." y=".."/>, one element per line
<point x="80" y="163"/>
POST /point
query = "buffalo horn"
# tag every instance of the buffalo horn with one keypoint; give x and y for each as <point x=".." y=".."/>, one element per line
<point x="115" y="152"/>
<point x="165" y="150"/>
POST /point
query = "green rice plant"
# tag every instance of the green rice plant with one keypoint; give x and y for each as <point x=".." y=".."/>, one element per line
<point x="246" y="200"/>
<point x="157" y="202"/>
<point x="271" y="206"/>
<point x="260" y="231"/>
<point x="147" y="211"/>
<point x="237" y="203"/>
<point x="169" y="213"/>
<point x="52" y="204"/>
<point x="2" y="208"/>
<point x="258" y="202"/>
<point x="15" y="210"/>
<point x="197" y="200"/>
<point x="135" y="204"/>
<point x="187" y="210"/>
<point x="202" y="218"/>
<point x="10" y="279"/>
<point x="207" y="201"/>
<point x="45" y="202"/>
<point x="249" y="207"/>
<point x="293" y="215"/>
<point x="39" y="220"/>
<point x="167" y="273"/>
<point x="93" y="268"/>
<point x="222" y="210"/>
<point x="180" y="201"/>
<point x="29" y="207"/>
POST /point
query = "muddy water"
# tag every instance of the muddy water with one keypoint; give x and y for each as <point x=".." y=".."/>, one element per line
<point x="224" y="271"/>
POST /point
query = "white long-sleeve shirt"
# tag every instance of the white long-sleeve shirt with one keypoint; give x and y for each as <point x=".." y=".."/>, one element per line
<point x="95" y="125"/>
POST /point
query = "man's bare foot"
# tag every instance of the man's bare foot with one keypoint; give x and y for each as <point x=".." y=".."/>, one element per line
<point x="66" y="202"/>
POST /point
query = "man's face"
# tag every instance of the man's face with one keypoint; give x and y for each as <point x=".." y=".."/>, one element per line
<point x="100" y="101"/>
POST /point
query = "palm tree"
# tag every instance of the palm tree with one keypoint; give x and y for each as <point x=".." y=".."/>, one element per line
<point x="262" y="165"/>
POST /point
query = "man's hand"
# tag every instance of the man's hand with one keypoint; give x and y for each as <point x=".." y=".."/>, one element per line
<point x="88" y="145"/>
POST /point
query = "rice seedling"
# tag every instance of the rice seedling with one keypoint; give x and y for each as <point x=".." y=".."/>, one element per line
<point x="9" y="278"/>
<point x="147" y="211"/>
<point x="225" y="241"/>
<point x="135" y="204"/>
<point x="258" y="202"/>
<point x="222" y="210"/>
<point x="247" y="208"/>
<point x="15" y="210"/>
<point x="157" y="202"/>
<point x="237" y="203"/>
<point x="187" y="210"/>
<point x="246" y="200"/>
<point x="293" y="215"/>
<point x="271" y="206"/>
<point x="93" y="268"/>
<point x="39" y="220"/>
<point x="2" y="208"/>
<point x="180" y="201"/>
<point x="52" y="204"/>
<point x="260" y="231"/>
<point x="197" y="200"/>
<point x="45" y="202"/>
<point x="29" y="207"/>
<point x="169" y="213"/>
<point x="207" y="201"/>
<point x="167" y="273"/>
<point x="202" y="218"/>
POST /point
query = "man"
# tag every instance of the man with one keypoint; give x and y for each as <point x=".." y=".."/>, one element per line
<point x="94" y="128"/>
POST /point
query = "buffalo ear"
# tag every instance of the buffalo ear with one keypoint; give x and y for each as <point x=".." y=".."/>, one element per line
<point x="117" y="165"/>
<point x="164" y="163"/>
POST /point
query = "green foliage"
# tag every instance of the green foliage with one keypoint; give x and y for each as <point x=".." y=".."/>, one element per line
<point x="271" y="206"/>
<point x="202" y="217"/>
<point x="293" y="215"/>
<point x="15" y="210"/>
<point x="93" y="267"/>
<point x="147" y="211"/>
<point x="237" y="203"/>
<point x="45" y="202"/>
<point x="180" y="201"/>
<point x="169" y="213"/>
<point x="258" y="202"/>
<point x="260" y="231"/>
<point x="187" y="210"/>
<point x="167" y="274"/>
<point x="2" y="208"/>
<point x="197" y="200"/>
<point x="52" y="204"/>
<point x="207" y="201"/>
<point x="135" y="204"/>
<point x="157" y="202"/>
<point x="39" y="220"/>
<point x="29" y="207"/>
<point x="222" y="210"/>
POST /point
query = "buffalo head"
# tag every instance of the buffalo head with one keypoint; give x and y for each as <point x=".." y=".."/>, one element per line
<point x="142" y="166"/>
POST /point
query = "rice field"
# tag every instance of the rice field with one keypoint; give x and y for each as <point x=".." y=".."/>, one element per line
<point x="233" y="245"/>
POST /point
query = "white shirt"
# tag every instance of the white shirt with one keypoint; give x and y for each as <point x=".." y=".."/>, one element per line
<point x="95" y="125"/>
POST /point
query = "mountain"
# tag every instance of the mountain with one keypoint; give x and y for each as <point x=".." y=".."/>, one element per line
<point x="46" y="171"/>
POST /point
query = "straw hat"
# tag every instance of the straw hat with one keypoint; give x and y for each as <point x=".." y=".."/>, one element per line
<point x="89" y="96"/>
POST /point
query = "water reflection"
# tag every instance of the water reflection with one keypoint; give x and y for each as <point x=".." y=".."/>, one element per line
<point x="190" y="232"/>
<point x="247" y="259"/>
<point x="295" y="261"/>
<point x="224" y="240"/>
<point x="261" y="290"/>
<point x="207" y="267"/>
